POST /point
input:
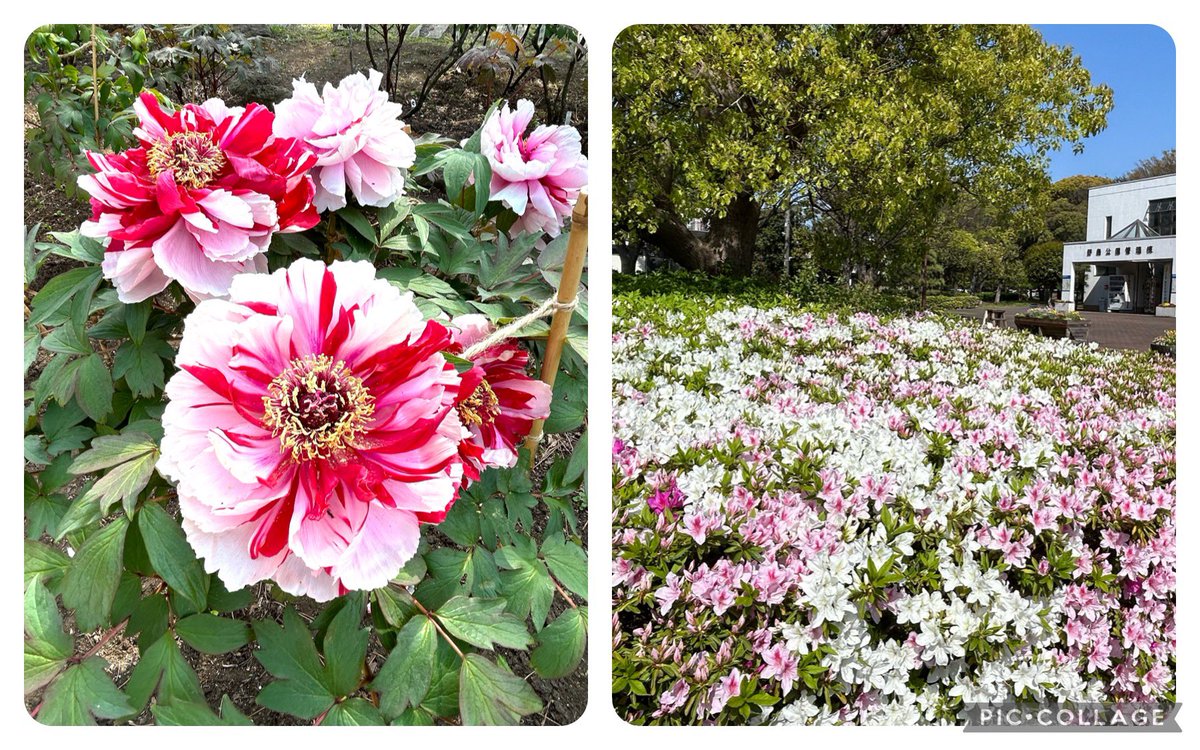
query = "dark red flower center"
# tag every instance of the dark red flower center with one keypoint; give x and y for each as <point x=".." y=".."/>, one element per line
<point x="481" y="407"/>
<point x="194" y="159"/>
<point x="317" y="407"/>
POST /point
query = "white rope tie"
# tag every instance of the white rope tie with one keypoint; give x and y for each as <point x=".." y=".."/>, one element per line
<point x="510" y="331"/>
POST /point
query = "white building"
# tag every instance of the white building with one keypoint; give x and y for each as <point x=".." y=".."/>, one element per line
<point x="1127" y="262"/>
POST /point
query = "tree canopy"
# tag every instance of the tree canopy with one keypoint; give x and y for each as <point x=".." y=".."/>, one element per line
<point x="1153" y="166"/>
<point x="876" y="128"/>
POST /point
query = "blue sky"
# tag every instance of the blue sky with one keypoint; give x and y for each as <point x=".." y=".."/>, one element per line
<point x="1138" y="62"/>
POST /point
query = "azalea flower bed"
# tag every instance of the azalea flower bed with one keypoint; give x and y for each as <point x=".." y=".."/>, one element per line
<point x="843" y="518"/>
<point x="278" y="367"/>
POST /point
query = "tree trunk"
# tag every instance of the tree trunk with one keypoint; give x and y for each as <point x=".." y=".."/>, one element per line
<point x="787" y="240"/>
<point x="728" y="246"/>
<point x="628" y="255"/>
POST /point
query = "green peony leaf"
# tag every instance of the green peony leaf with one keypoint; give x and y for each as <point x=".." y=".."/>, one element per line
<point x="561" y="644"/>
<point x="173" y="557"/>
<point x="47" y="645"/>
<point x="404" y="679"/>
<point x="211" y="634"/>
<point x="345" y="647"/>
<point x="163" y="671"/>
<point x="288" y="652"/>
<point x="355" y="712"/>
<point x="89" y="585"/>
<point x="83" y="694"/>
<point x="483" y="623"/>
<point x="492" y="695"/>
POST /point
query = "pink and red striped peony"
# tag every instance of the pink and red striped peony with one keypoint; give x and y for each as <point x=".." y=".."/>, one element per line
<point x="314" y="423"/>
<point x="198" y="200"/>
<point x="498" y="401"/>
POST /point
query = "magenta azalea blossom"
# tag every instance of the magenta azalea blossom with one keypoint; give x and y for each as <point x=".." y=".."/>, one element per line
<point x="198" y="200"/>
<point x="310" y="428"/>
<point x="498" y="401"/>
<point x="357" y="136"/>
<point x="538" y="176"/>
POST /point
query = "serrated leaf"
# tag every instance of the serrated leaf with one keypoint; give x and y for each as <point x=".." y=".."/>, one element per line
<point x="81" y="695"/>
<point x="47" y="645"/>
<point x="561" y="644"/>
<point x="490" y="695"/>
<point x="173" y="557"/>
<point x="345" y="646"/>
<point x="404" y="679"/>
<point x="483" y="623"/>
<point x="90" y="584"/>
<point x="210" y="634"/>
<point x="163" y="671"/>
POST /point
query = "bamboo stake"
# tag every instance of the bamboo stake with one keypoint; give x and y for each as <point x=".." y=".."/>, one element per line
<point x="568" y="290"/>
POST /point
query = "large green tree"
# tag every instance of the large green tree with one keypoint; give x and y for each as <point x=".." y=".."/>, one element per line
<point x="878" y="128"/>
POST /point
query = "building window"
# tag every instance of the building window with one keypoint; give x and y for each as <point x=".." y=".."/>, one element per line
<point x="1162" y="215"/>
<point x="1107" y="227"/>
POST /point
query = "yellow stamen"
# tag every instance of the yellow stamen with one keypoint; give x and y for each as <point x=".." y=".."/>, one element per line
<point x="480" y="405"/>
<point x="317" y="408"/>
<point x="193" y="158"/>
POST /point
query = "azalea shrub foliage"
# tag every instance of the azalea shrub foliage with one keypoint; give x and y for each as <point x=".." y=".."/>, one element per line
<point x="271" y="369"/>
<point x="835" y="517"/>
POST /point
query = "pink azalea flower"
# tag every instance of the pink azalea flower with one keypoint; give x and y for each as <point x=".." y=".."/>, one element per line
<point x="310" y="429"/>
<point x="671" y="700"/>
<point x="198" y="200"/>
<point x="782" y="665"/>
<point x="357" y="136"/>
<point x="727" y="687"/>
<point x="538" y="175"/>
<point x="498" y="402"/>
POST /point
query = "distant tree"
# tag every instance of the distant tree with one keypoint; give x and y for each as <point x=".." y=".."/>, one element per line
<point x="1066" y="215"/>
<point x="1153" y="166"/>
<point x="1043" y="267"/>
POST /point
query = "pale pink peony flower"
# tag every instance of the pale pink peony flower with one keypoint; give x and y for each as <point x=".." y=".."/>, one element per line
<point x="357" y="136"/>
<point x="498" y="401"/>
<point x="198" y="200"/>
<point x="538" y="176"/>
<point x="310" y="429"/>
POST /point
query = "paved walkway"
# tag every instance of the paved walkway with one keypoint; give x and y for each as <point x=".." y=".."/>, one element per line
<point x="1113" y="330"/>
